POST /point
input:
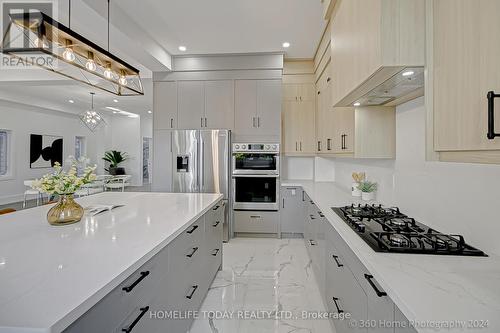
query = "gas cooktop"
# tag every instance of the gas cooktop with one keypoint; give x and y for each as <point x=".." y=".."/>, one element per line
<point x="386" y="229"/>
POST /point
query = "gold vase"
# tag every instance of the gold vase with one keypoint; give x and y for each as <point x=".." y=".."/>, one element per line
<point x="66" y="211"/>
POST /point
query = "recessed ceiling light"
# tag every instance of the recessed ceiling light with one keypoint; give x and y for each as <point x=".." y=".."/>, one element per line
<point x="286" y="44"/>
<point x="182" y="48"/>
<point x="71" y="101"/>
<point x="408" y="73"/>
<point x="357" y="104"/>
<point x="149" y="111"/>
<point x="115" y="100"/>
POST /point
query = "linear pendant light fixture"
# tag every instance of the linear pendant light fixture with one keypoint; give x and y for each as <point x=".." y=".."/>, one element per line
<point x="37" y="39"/>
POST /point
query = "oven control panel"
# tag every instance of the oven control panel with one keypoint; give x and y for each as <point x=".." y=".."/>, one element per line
<point x="256" y="147"/>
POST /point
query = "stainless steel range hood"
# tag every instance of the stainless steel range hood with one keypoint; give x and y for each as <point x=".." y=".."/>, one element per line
<point x="390" y="86"/>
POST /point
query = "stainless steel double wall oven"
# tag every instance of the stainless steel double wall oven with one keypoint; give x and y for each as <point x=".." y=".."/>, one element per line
<point x="255" y="176"/>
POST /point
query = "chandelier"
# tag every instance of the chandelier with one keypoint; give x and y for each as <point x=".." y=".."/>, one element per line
<point x="37" y="39"/>
<point x="91" y="118"/>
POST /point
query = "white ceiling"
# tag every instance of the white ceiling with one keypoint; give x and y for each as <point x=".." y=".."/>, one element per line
<point x="230" y="26"/>
<point x="156" y="26"/>
<point x="55" y="94"/>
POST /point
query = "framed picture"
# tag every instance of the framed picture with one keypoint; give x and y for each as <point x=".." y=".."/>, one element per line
<point x="45" y="150"/>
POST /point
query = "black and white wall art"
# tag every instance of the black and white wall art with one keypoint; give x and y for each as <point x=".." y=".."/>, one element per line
<point x="45" y="150"/>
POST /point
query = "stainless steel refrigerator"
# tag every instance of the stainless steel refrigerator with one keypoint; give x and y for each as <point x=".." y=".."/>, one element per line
<point x="201" y="161"/>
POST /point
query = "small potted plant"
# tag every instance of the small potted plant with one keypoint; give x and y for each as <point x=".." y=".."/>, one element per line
<point x="357" y="177"/>
<point x="114" y="158"/>
<point x="367" y="189"/>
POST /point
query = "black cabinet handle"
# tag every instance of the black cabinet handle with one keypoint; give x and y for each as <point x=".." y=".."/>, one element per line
<point x="319" y="145"/>
<point x="491" y="115"/>
<point x="377" y="291"/>
<point x="192" y="229"/>
<point x="215" y="252"/>
<point x="133" y="285"/>
<point x="216" y="224"/>
<point x="216" y="207"/>
<point x="283" y="202"/>
<point x="312" y="217"/>
<point x="192" y="292"/>
<point x="328" y="144"/>
<point x="336" y="258"/>
<point x="342" y="137"/>
<point x="192" y="253"/>
<point x="328" y="79"/>
<point x="339" y="310"/>
<point x="139" y="317"/>
<point x="312" y="242"/>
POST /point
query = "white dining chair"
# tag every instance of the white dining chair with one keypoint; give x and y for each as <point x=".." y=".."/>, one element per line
<point x="118" y="183"/>
<point x="32" y="192"/>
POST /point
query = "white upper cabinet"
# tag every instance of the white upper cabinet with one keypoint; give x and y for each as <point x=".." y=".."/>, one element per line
<point x="165" y="105"/>
<point x="257" y="107"/>
<point x="219" y="104"/>
<point x="206" y="104"/>
<point x="371" y="41"/>
<point x="268" y="107"/>
<point x="191" y="104"/>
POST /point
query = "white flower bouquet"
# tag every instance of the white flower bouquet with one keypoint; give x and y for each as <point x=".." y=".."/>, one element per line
<point x="62" y="182"/>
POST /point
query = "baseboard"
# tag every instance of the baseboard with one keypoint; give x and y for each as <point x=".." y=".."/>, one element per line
<point x="292" y="235"/>
<point x="8" y="199"/>
<point x="254" y="235"/>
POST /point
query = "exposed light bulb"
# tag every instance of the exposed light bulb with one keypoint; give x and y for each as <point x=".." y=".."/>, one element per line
<point x="42" y="43"/>
<point x="108" y="73"/>
<point x="123" y="80"/>
<point x="90" y="65"/>
<point x="69" y="55"/>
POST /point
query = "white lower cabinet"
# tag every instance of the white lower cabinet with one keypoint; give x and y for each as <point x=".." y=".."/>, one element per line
<point x="256" y="222"/>
<point x="291" y="212"/>
<point x="159" y="296"/>
<point x="349" y="289"/>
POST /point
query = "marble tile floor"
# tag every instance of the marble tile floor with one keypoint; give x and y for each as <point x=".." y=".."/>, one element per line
<point x="269" y="278"/>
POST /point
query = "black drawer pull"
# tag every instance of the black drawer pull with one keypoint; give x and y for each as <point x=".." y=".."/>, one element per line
<point x="192" y="292"/>
<point x="216" y="224"/>
<point x="312" y="242"/>
<point x="216" y="207"/>
<point x="377" y="291"/>
<point x="215" y="252"/>
<point x="192" y="253"/>
<point x="133" y="285"/>
<point x="336" y="258"/>
<point x="491" y="115"/>
<point x="339" y="310"/>
<point x="192" y="229"/>
<point x="139" y="317"/>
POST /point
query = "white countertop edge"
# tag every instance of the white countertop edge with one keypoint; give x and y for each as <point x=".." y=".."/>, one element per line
<point x="77" y="312"/>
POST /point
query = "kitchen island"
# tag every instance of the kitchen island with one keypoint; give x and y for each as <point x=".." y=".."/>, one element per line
<point x="52" y="276"/>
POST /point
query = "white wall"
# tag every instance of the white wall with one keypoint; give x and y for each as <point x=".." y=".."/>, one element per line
<point x="451" y="197"/>
<point x="24" y="120"/>
<point x="126" y="137"/>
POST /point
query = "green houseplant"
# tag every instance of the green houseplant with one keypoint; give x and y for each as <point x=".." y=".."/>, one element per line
<point x="114" y="158"/>
<point x="367" y="189"/>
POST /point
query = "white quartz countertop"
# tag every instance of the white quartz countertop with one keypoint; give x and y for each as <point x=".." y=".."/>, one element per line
<point x="429" y="290"/>
<point x="50" y="276"/>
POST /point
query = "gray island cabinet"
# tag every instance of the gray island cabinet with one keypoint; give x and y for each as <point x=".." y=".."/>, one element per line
<point x="162" y="295"/>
